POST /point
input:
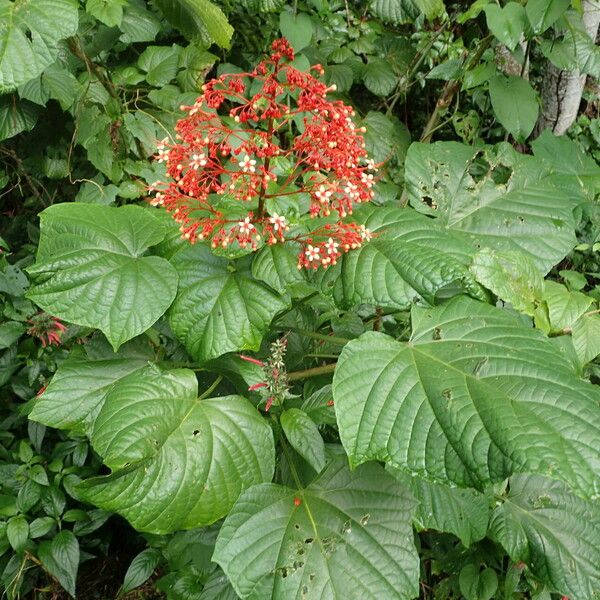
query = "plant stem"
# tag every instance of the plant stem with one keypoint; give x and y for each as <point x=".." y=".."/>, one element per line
<point x="317" y="336"/>
<point x="314" y="372"/>
<point x="263" y="190"/>
<point x="211" y="388"/>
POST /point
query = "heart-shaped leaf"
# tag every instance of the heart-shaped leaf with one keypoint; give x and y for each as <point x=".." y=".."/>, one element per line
<point x="347" y="535"/>
<point x="177" y="461"/>
<point x="93" y="271"/>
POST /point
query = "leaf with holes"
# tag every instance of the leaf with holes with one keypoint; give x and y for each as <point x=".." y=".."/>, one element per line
<point x="92" y="270"/>
<point x="474" y="396"/>
<point x="464" y="512"/>
<point x="216" y="310"/>
<point x="493" y="198"/>
<point x="512" y="276"/>
<point x="556" y="533"/>
<point x="29" y="37"/>
<point x="177" y="461"/>
<point x="348" y="534"/>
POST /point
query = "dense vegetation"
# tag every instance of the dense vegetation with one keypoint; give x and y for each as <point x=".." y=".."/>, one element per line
<point x="323" y="396"/>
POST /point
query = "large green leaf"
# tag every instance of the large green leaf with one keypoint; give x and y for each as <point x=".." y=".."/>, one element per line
<point x="77" y="391"/>
<point x="218" y="310"/>
<point x="543" y="13"/>
<point x="16" y="116"/>
<point x="571" y="168"/>
<point x="347" y="535"/>
<point x="512" y="276"/>
<point x="29" y="36"/>
<point x="395" y="11"/>
<point x="515" y="103"/>
<point x="554" y="531"/>
<point x="507" y="24"/>
<point x="463" y="512"/>
<point x="409" y="257"/>
<point x="493" y="197"/>
<point x="177" y="461"/>
<point x="474" y="396"/>
<point x="92" y="270"/>
<point x="198" y="19"/>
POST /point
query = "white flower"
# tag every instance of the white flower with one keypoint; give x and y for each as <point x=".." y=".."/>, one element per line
<point x="331" y="246"/>
<point x="279" y="223"/>
<point x="365" y="234"/>
<point x="245" y="226"/>
<point x="247" y="164"/>
<point x="312" y="253"/>
<point x="198" y="160"/>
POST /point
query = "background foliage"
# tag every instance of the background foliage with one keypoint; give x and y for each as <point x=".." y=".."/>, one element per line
<point x="456" y="354"/>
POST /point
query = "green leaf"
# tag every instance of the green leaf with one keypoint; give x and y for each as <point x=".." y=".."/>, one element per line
<point x="515" y="104"/>
<point x="474" y="396"/>
<point x="340" y="75"/>
<point x="297" y="28"/>
<point x="160" y="63"/>
<point x="303" y="435"/>
<point x="379" y="77"/>
<point x="177" y="461"/>
<point x="10" y="332"/>
<point x="542" y="523"/>
<point x="409" y="257"/>
<point x="571" y="168"/>
<point x="507" y="23"/>
<point x="476" y="585"/>
<point x="543" y="13"/>
<point x="586" y="338"/>
<point x="109" y="12"/>
<point x="512" y="276"/>
<point x="348" y="534"/>
<point x="29" y="36"/>
<point x="17" y="532"/>
<point x="386" y="138"/>
<point x="198" y="19"/>
<point x="431" y="8"/>
<point x="492" y="198"/>
<point x="60" y="558"/>
<point x="77" y="391"/>
<point x="140" y="569"/>
<point x="61" y="85"/>
<point x="138" y="24"/>
<point x="564" y="307"/>
<point x="396" y="12"/>
<point x="216" y="310"/>
<point x="276" y="265"/>
<point x="217" y="587"/>
<point x="41" y="526"/>
<point x="16" y="116"/>
<point x="92" y="269"/>
<point x="575" y="50"/>
<point x="463" y="512"/>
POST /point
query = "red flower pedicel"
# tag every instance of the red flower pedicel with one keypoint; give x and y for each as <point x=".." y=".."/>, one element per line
<point x="236" y="156"/>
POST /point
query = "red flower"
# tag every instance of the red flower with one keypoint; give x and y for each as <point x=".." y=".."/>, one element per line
<point x="253" y="139"/>
<point x="46" y="328"/>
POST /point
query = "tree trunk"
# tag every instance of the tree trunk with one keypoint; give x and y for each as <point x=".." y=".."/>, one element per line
<point x="562" y="90"/>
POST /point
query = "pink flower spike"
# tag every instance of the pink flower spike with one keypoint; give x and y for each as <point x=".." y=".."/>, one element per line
<point x="257" y="386"/>
<point x="269" y="403"/>
<point x="254" y="361"/>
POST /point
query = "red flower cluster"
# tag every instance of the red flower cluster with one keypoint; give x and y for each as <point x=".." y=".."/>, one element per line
<point x="253" y="142"/>
<point x="46" y="328"/>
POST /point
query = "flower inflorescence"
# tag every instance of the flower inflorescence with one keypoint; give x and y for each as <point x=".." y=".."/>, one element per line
<point x="253" y="142"/>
